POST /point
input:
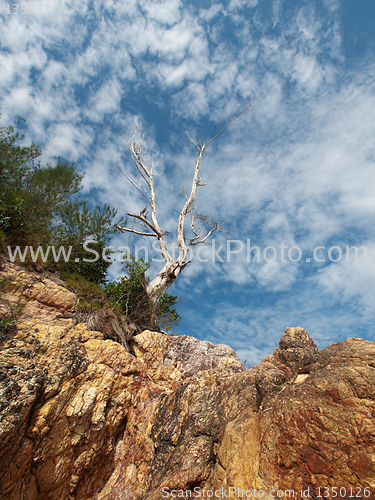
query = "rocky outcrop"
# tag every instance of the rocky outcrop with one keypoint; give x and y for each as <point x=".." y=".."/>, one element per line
<point x="82" y="418"/>
<point x="35" y="295"/>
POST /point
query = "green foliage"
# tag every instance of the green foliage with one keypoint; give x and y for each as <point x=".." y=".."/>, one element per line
<point x="31" y="197"/>
<point x="129" y="292"/>
<point x="15" y="163"/>
<point x="13" y="156"/>
<point x="91" y="296"/>
<point x="167" y="315"/>
<point x="7" y="321"/>
<point x="86" y="265"/>
<point x="38" y="207"/>
<point x="78" y="226"/>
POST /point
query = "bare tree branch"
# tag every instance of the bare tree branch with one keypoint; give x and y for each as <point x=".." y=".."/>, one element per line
<point x="134" y="231"/>
<point x="201" y="226"/>
<point x="230" y="121"/>
<point x="196" y="145"/>
<point x="138" y="188"/>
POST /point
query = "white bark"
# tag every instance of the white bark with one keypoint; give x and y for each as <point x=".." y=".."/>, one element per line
<point x="198" y="225"/>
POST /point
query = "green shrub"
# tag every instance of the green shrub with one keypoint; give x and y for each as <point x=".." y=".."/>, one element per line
<point x="39" y="206"/>
<point x="129" y="292"/>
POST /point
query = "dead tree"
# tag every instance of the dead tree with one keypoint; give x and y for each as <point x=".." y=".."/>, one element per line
<point x="201" y="226"/>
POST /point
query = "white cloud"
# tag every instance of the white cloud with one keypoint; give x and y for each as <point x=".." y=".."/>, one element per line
<point x="211" y="12"/>
<point x="307" y="72"/>
<point x="19" y="100"/>
<point x="194" y="94"/>
<point x="17" y="67"/>
<point x="166" y="12"/>
<point x="351" y="282"/>
<point x="69" y="142"/>
<point x="276" y="4"/>
<point x="106" y="100"/>
<point x="237" y="4"/>
<point x="276" y="276"/>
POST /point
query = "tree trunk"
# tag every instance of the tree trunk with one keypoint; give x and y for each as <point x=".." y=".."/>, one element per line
<point x="163" y="281"/>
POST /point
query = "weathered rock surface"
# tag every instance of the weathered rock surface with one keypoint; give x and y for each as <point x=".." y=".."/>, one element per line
<point x="81" y="418"/>
<point x="37" y="296"/>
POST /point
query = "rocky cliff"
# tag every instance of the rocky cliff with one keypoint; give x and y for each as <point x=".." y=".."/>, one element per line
<point x="82" y="418"/>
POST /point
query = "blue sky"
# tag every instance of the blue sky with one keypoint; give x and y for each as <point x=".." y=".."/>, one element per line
<point x="297" y="170"/>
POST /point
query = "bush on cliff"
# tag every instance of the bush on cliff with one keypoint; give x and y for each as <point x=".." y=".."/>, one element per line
<point x="40" y="207"/>
<point x="129" y="293"/>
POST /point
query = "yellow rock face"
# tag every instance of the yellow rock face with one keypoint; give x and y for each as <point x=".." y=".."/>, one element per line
<point x="238" y="455"/>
